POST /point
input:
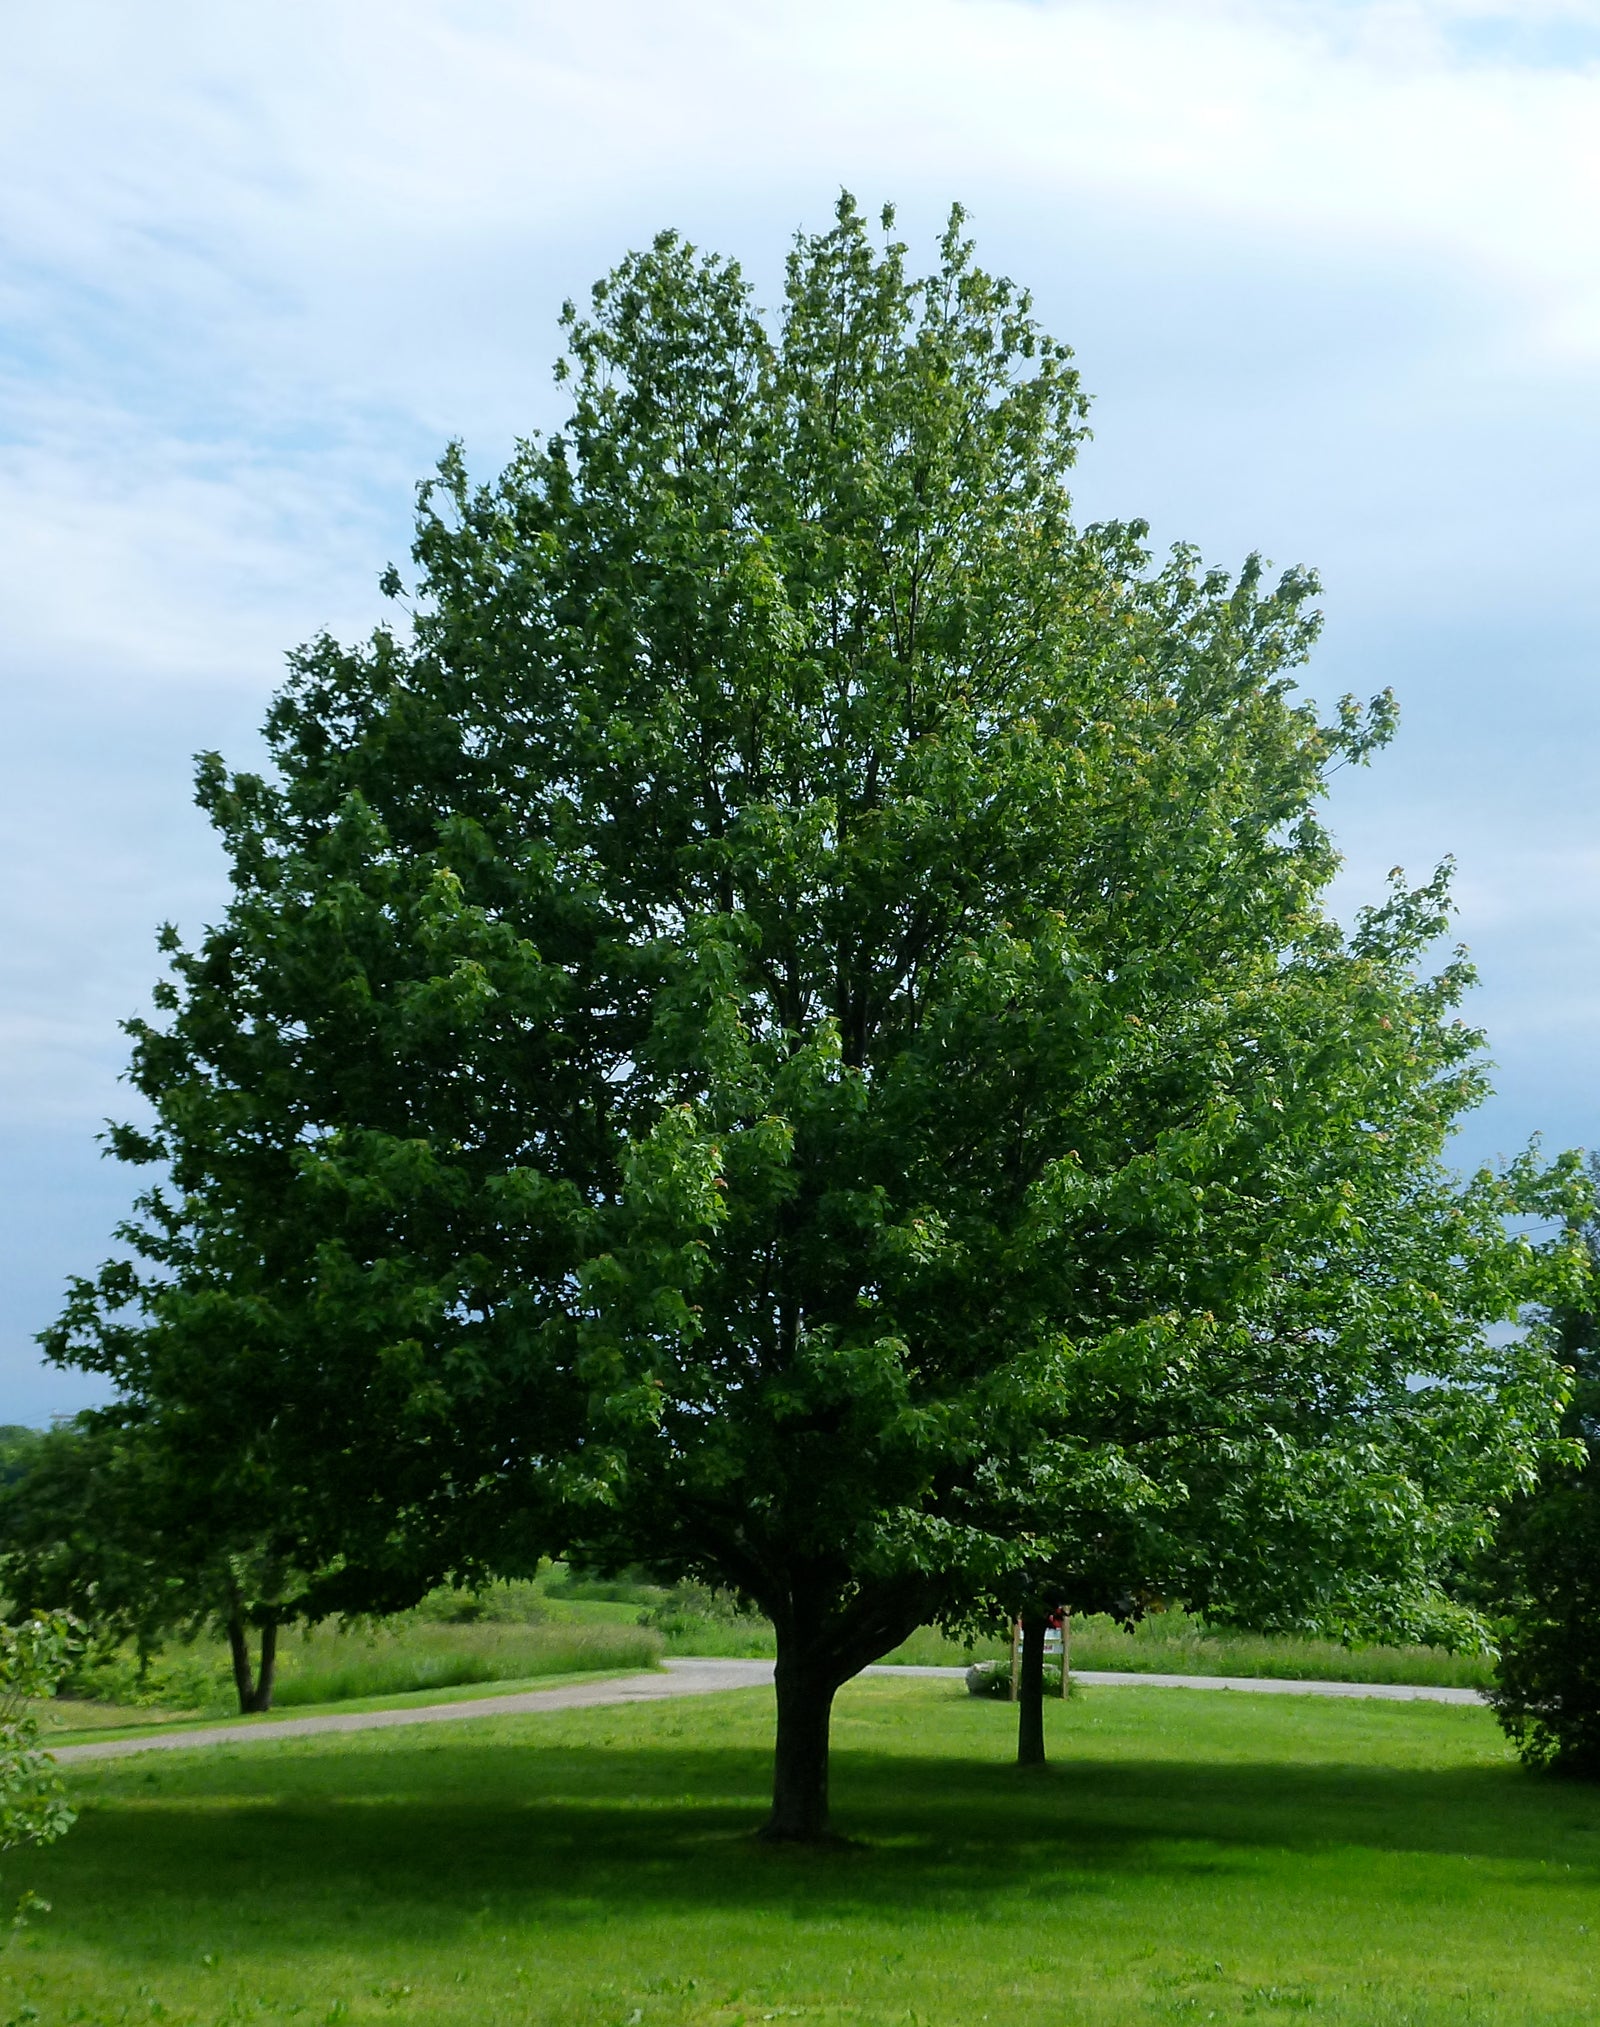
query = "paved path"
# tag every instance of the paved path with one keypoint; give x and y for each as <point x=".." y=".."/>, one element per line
<point x="682" y="1678"/>
<point x="1269" y="1685"/>
<point x="685" y="1678"/>
<point x="1393" y="1692"/>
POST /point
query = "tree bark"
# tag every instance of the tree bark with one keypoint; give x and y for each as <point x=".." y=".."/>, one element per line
<point x="800" y="1760"/>
<point x="828" y="1630"/>
<point x="239" y="1643"/>
<point x="1030" y="1692"/>
<point x="254" y="1689"/>
<point x="267" y="1673"/>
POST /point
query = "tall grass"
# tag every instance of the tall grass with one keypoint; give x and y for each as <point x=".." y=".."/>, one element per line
<point x="1164" y="1643"/>
<point x="1179" y="1643"/>
<point x="529" y="1631"/>
<point x="332" y="1664"/>
<point x="326" y="1665"/>
<point x="693" y="1620"/>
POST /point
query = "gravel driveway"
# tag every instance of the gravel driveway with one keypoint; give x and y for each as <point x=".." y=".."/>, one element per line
<point x="682" y="1677"/>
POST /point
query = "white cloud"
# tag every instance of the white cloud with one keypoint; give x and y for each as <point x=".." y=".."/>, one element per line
<point x="317" y="162"/>
<point x="135" y="556"/>
<point x="261" y="264"/>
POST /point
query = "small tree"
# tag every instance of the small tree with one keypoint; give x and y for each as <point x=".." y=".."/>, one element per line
<point x="139" y="1537"/>
<point x="787" y="1030"/>
<point x="1544" y="1572"/>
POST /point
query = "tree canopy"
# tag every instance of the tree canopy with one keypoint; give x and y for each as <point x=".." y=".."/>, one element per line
<point x="784" y="1025"/>
<point x="123" y="1519"/>
<point x="1543" y="1572"/>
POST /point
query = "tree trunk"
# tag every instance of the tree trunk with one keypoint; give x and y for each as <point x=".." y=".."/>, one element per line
<point x="800" y="1761"/>
<point x="254" y="1690"/>
<point x="1030" y="1692"/>
<point x="267" y="1672"/>
<point x="239" y="1643"/>
<point x="823" y="1639"/>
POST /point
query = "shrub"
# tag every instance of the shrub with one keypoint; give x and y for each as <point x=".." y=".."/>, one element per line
<point x="506" y="1603"/>
<point x="1547" y="1697"/>
<point x="993" y="1679"/>
<point x="188" y="1675"/>
<point x="33" y="1803"/>
<point x="1544" y="1574"/>
<point x="695" y="1619"/>
<point x="580" y="1586"/>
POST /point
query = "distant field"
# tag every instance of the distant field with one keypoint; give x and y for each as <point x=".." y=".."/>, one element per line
<point x="1173" y="1643"/>
<point x="424" y="1650"/>
<point x="1187" y="1858"/>
<point x="555" y="1625"/>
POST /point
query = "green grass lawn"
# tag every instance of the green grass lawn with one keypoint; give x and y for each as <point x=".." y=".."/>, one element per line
<point x="1190" y="1857"/>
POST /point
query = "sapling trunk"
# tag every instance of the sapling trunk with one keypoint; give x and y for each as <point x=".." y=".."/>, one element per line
<point x="254" y="1688"/>
<point x="239" y="1644"/>
<point x="1030" y="1692"/>
<point x="266" y="1675"/>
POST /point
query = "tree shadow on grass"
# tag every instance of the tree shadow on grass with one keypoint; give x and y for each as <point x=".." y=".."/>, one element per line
<point x="258" y="1855"/>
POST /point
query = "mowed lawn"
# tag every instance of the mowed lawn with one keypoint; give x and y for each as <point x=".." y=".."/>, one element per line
<point x="1191" y="1856"/>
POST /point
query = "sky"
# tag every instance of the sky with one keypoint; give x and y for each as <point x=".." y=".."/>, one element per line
<point x="1330" y="269"/>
